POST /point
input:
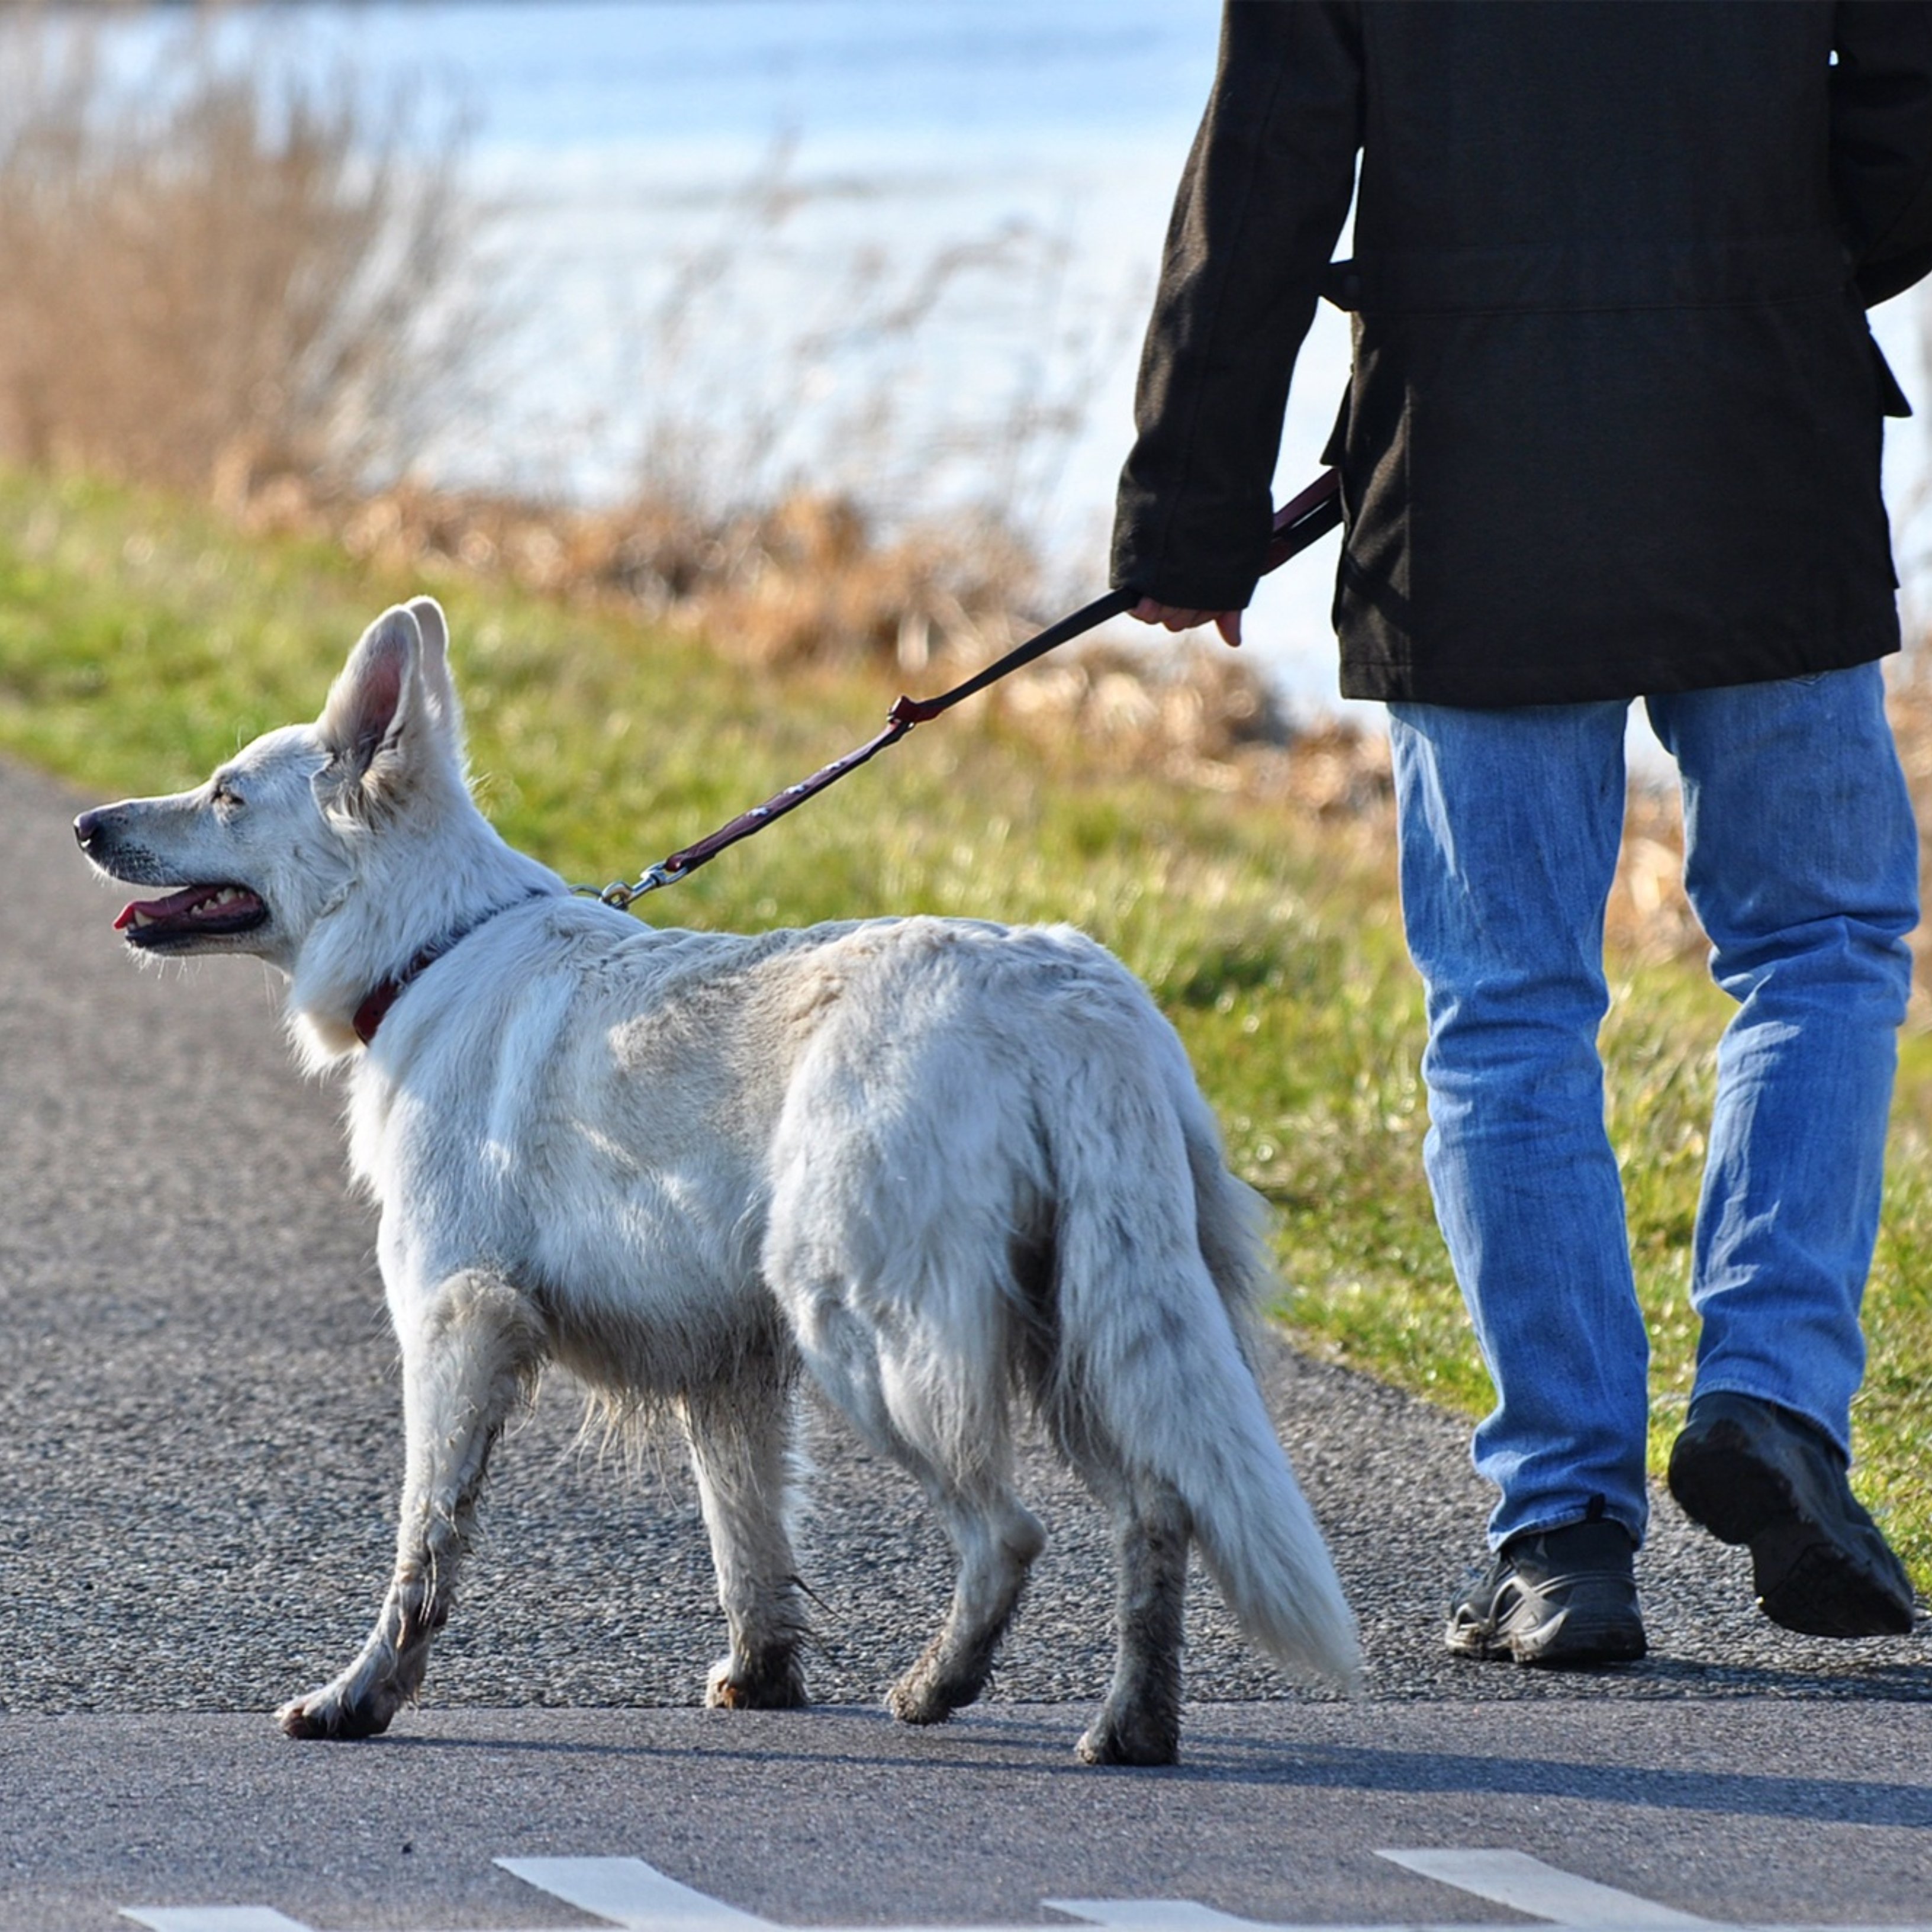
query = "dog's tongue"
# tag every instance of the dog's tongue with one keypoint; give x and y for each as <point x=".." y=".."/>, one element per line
<point x="173" y="906"/>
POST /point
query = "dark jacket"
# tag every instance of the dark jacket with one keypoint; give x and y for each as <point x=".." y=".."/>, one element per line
<point x="1614" y="425"/>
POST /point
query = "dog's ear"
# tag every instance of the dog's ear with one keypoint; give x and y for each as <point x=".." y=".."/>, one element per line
<point x="368" y="701"/>
<point x="433" y="660"/>
<point x="377" y="703"/>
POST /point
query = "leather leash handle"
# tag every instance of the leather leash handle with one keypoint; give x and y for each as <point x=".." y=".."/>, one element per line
<point x="1303" y="519"/>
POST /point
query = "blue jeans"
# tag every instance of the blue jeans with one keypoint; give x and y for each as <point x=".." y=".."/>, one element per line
<point x="1801" y="862"/>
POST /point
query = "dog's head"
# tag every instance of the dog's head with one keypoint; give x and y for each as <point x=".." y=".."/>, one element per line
<point x="283" y="834"/>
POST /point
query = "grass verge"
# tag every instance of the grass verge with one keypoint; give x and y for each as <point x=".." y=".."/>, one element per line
<point x="141" y="640"/>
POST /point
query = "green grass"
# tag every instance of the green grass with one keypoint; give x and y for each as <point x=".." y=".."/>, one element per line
<point x="140" y="641"/>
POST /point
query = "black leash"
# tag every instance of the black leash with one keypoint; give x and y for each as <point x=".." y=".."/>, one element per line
<point x="1299" y="523"/>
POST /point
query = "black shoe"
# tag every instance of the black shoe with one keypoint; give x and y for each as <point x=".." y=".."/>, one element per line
<point x="1563" y="1599"/>
<point x="1750" y="1472"/>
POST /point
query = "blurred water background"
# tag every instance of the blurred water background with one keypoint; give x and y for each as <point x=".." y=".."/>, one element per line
<point x="898" y="249"/>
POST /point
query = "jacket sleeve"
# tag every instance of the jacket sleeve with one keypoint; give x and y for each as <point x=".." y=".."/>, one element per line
<point x="1262" y="200"/>
<point x="1881" y="141"/>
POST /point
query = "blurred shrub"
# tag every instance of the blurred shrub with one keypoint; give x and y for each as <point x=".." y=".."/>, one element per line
<point x="218" y="266"/>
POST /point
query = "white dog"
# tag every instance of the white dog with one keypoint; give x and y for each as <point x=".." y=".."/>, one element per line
<point x="938" y="1164"/>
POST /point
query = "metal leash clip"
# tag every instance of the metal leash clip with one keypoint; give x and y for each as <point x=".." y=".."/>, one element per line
<point x="620" y="895"/>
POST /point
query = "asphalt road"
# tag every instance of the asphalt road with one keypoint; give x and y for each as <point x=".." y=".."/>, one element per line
<point x="199" y="1443"/>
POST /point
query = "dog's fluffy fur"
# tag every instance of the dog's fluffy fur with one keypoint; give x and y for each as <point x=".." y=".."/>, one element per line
<point x="938" y="1166"/>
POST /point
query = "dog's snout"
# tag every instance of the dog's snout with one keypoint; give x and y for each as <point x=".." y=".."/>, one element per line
<point x="100" y="832"/>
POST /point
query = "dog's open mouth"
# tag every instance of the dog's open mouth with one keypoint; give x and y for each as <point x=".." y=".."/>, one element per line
<point x="196" y="912"/>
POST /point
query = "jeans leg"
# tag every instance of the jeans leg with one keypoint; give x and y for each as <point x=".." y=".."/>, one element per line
<point x="1801" y="862"/>
<point x="1510" y="822"/>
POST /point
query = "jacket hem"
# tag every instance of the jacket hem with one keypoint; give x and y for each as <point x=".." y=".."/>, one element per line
<point x="1508" y="687"/>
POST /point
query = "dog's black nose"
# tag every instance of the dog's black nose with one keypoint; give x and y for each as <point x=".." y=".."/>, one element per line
<point x="87" y="828"/>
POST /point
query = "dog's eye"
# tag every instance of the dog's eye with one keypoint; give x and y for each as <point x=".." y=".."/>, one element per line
<point x="227" y="799"/>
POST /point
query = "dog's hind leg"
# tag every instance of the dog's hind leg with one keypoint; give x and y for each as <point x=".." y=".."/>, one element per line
<point x="740" y="1435"/>
<point x="1140" y="1721"/>
<point x="466" y="1361"/>
<point x="997" y="1539"/>
<point x="949" y="1429"/>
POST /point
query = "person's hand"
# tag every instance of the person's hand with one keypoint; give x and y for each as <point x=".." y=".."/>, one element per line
<point x="1228" y="622"/>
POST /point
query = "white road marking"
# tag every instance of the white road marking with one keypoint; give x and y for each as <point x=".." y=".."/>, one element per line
<point x="629" y="1893"/>
<point x="211" y="1919"/>
<point x="1147" y="1914"/>
<point x="1525" y="1884"/>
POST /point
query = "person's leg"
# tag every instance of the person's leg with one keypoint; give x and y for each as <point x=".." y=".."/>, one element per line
<point x="1510" y="822"/>
<point x="1801" y="862"/>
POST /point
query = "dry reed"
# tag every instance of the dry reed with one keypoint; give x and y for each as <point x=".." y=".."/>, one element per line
<point x="217" y="269"/>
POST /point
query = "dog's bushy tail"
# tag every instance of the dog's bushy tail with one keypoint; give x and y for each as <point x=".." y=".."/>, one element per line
<point x="1160" y="1257"/>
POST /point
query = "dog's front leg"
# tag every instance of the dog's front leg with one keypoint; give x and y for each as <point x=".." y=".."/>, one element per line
<point x="740" y="1436"/>
<point x="467" y="1358"/>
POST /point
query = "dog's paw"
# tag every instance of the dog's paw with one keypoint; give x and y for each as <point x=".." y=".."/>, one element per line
<point x="777" y="1685"/>
<point x="326" y="1713"/>
<point x="917" y="1707"/>
<point x="1111" y="1740"/>
<point x="923" y="1697"/>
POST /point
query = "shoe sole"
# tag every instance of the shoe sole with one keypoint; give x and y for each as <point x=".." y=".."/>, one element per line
<point x="1805" y="1578"/>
